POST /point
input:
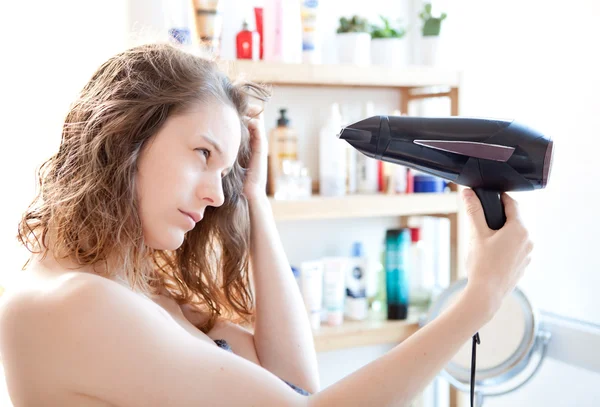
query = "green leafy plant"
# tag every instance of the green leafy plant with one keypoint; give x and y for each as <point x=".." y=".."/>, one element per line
<point x="431" y="25"/>
<point x="355" y="24"/>
<point x="386" y="31"/>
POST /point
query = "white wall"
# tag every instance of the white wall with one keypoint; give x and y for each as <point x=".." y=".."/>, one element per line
<point x="50" y="49"/>
<point x="536" y="61"/>
<point x="549" y="78"/>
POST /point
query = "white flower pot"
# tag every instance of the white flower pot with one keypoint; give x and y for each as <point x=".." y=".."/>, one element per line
<point x="428" y="50"/>
<point x="353" y="48"/>
<point x="389" y="51"/>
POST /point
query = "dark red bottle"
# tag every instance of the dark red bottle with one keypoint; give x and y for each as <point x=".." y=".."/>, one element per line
<point x="247" y="44"/>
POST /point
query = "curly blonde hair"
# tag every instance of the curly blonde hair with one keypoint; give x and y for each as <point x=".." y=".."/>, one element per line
<point x="87" y="189"/>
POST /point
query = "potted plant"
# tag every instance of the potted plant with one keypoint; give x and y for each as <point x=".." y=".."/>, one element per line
<point x="430" y="34"/>
<point x="387" y="44"/>
<point x="353" y="41"/>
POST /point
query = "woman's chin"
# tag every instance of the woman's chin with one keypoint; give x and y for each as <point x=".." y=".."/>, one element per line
<point x="171" y="240"/>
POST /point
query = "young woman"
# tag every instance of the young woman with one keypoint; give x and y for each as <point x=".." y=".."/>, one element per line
<point x="150" y="217"/>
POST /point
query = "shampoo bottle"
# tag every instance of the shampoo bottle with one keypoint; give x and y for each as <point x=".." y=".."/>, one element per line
<point x="396" y="264"/>
<point x="283" y="145"/>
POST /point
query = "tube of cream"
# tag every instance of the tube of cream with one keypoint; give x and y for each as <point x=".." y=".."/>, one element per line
<point x="311" y="46"/>
<point x="311" y="287"/>
<point x="334" y="288"/>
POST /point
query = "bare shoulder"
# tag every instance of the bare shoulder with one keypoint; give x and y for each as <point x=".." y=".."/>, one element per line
<point x="42" y="313"/>
<point x="38" y="326"/>
<point x="34" y="298"/>
<point x="48" y="324"/>
<point x="84" y="335"/>
<point x="27" y="306"/>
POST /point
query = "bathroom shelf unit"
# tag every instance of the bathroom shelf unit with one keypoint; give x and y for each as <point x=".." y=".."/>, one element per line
<point x="351" y="334"/>
<point x="412" y="83"/>
<point x="355" y="206"/>
<point x="282" y="74"/>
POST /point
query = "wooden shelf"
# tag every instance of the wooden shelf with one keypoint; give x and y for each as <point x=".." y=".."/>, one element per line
<point x="353" y="334"/>
<point x="342" y="75"/>
<point x="363" y="206"/>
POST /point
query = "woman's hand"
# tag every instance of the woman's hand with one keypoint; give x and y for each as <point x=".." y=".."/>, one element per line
<point x="256" y="179"/>
<point x="497" y="258"/>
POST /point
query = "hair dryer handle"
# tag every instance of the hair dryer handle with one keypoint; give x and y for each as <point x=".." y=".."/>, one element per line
<point x="493" y="208"/>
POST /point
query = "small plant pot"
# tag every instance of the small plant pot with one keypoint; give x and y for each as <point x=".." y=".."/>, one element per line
<point x="354" y="48"/>
<point x="389" y="51"/>
<point x="428" y="50"/>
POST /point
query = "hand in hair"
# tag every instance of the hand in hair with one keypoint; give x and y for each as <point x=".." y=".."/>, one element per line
<point x="256" y="180"/>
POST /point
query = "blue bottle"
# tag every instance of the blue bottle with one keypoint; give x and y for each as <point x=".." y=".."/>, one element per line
<point x="397" y="249"/>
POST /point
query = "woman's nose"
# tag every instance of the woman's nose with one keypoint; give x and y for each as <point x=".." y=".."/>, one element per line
<point x="212" y="191"/>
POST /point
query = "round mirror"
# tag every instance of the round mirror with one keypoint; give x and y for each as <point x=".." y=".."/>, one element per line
<point x="511" y="350"/>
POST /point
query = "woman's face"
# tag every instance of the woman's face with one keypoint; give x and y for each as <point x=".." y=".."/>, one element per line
<point x="180" y="171"/>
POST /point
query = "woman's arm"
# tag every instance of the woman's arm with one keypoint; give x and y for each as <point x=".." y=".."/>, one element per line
<point x="283" y="338"/>
<point x="75" y="338"/>
<point x="402" y="374"/>
<point x="282" y="334"/>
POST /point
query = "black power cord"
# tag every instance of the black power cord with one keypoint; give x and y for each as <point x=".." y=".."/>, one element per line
<point x="476" y="342"/>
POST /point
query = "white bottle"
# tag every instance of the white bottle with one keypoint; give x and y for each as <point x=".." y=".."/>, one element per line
<point x="357" y="305"/>
<point x="399" y="177"/>
<point x="366" y="167"/>
<point x="420" y="280"/>
<point x="332" y="156"/>
<point x="351" y="163"/>
<point x="351" y="158"/>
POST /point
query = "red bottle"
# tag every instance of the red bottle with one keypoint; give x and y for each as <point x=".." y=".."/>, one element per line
<point x="247" y="44"/>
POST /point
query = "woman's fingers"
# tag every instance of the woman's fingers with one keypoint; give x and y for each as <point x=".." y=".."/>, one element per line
<point x="475" y="213"/>
<point x="511" y="208"/>
<point x="254" y="110"/>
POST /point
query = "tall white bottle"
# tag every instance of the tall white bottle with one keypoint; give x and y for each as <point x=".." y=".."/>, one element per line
<point x="332" y="155"/>
<point x="366" y="167"/>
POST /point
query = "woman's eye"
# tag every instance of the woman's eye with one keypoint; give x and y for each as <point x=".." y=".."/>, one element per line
<point x="204" y="152"/>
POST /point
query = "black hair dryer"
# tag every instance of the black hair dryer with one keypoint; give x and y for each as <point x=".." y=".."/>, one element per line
<point x="490" y="156"/>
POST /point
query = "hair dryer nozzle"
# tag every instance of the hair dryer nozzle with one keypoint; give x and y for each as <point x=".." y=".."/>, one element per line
<point x="350" y="134"/>
<point x="363" y="135"/>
